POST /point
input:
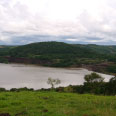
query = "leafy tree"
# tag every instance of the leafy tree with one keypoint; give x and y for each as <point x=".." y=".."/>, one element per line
<point x="112" y="68"/>
<point x="53" y="82"/>
<point x="93" y="77"/>
<point x="112" y="86"/>
<point x="93" y="83"/>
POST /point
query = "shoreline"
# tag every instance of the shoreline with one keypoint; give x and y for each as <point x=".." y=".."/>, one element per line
<point x="100" y="67"/>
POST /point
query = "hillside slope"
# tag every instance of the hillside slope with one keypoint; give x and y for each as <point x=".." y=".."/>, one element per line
<point x="56" y="104"/>
<point x="79" y="50"/>
<point x="103" y="49"/>
<point x="42" y="48"/>
<point x="58" y="54"/>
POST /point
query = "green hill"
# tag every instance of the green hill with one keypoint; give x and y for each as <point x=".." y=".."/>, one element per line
<point x="61" y="54"/>
<point x="103" y="49"/>
<point x="4" y="50"/>
<point x="56" y="104"/>
<point x="42" y="48"/>
<point x="58" y="54"/>
<point x="60" y="48"/>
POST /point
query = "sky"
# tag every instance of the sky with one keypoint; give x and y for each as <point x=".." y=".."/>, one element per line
<point x="71" y="21"/>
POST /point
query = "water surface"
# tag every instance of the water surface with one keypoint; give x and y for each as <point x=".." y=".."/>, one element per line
<point x="19" y="75"/>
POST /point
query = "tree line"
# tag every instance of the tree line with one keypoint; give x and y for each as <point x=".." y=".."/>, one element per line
<point x="94" y="84"/>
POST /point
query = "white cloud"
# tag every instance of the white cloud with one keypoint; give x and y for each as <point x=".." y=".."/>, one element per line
<point x="66" y="20"/>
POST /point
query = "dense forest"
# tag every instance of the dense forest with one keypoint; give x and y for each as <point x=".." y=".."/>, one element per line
<point x="58" y="54"/>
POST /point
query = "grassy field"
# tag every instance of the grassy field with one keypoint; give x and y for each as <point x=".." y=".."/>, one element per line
<point x="56" y="104"/>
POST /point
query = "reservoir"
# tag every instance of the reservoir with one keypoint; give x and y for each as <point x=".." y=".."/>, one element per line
<point x="31" y="76"/>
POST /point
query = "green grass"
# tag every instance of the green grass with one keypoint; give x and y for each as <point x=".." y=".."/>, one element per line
<point x="56" y="104"/>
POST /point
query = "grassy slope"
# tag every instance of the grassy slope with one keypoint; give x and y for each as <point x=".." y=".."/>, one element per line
<point x="57" y="104"/>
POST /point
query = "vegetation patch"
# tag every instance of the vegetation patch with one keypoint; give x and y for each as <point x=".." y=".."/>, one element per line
<point x="57" y="104"/>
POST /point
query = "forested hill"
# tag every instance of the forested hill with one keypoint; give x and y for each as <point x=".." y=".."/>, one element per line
<point x="4" y="49"/>
<point x="103" y="49"/>
<point x="50" y="48"/>
<point x="61" y="48"/>
<point x="59" y="54"/>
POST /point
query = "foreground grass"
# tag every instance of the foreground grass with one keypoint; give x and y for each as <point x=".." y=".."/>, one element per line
<point x="56" y="104"/>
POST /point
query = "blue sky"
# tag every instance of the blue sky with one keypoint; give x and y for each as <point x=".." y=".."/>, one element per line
<point x="72" y="21"/>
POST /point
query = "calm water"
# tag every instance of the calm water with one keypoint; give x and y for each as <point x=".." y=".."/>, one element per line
<point x="19" y="75"/>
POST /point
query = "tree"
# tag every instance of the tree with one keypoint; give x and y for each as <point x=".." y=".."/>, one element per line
<point x="93" y="77"/>
<point x="94" y="83"/>
<point x="53" y="82"/>
<point x="112" y="86"/>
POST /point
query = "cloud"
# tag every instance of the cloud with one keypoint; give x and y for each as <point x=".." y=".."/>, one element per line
<point x="74" y="21"/>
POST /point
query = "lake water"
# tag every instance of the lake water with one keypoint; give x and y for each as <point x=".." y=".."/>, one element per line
<point x="19" y="75"/>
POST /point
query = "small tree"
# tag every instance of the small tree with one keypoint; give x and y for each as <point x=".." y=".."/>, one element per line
<point x="53" y="82"/>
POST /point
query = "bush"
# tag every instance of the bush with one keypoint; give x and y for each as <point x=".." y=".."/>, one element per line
<point x="2" y="89"/>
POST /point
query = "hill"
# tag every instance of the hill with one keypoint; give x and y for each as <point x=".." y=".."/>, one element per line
<point x="103" y="49"/>
<point x="42" y="48"/>
<point x="59" y="54"/>
<point x="60" y="48"/>
<point x="4" y="50"/>
<point x="62" y="54"/>
<point x="43" y="103"/>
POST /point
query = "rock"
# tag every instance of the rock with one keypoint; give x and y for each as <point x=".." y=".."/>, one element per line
<point x="5" y="114"/>
<point x="45" y="98"/>
<point x="45" y="110"/>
